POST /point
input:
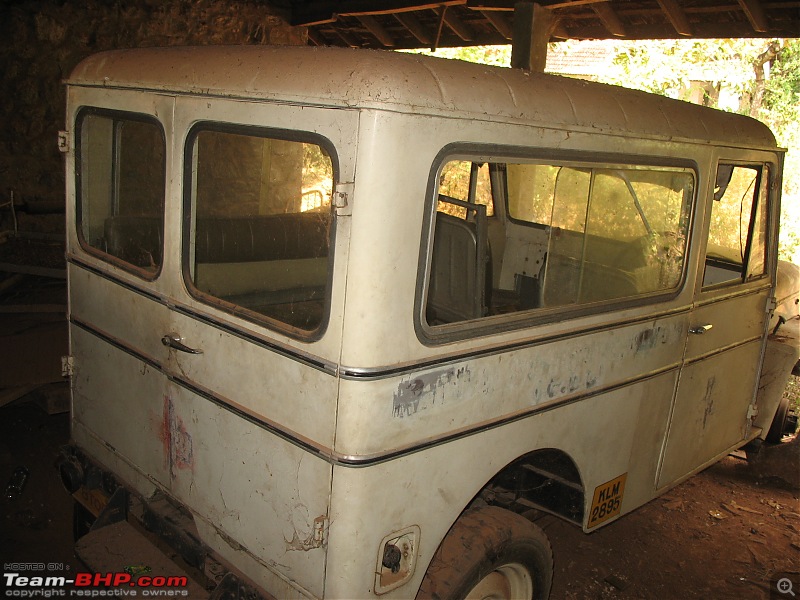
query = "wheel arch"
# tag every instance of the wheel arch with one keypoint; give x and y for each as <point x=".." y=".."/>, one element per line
<point x="546" y="479"/>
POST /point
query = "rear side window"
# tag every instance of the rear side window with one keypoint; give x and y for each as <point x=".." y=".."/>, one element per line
<point x="737" y="237"/>
<point x="120" y="189"/>
<point x="260" y="225"/>
<point x="568" y="235"/>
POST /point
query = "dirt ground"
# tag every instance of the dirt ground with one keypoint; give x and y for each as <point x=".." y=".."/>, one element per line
<point x="729" y="532"/>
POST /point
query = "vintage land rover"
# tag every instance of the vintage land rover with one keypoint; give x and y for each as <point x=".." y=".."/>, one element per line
<point x="339" y="318"/>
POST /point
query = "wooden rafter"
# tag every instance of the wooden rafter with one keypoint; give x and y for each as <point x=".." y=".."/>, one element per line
<point x="315" y="38"/>
<point x="610" y="19"/>
<point x="755" y="14"/>
<point x="458" y="26"/>
<point x="378" y="30"/>
<point x="677" y="17"/>
<point x="429" y="23"/>
<point x="499" y="22"/>
<point x="315" y="13"/>
<point x="419" y="31"/>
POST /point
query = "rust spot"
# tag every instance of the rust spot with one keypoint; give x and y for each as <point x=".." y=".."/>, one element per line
<point x="175" y="440"/>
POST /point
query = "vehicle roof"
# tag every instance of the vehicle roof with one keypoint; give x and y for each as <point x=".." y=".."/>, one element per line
<point x="415" y="84"/>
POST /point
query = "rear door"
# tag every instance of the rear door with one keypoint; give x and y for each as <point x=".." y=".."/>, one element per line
<point x="713" y="406"/>
<point x="205" y="316"/>
<point x="257" y="325"/>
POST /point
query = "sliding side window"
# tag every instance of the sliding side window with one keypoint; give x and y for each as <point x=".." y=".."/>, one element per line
<point x="120" y="188"/>
<point x="737" y="238"/>
<point x="568" y="235"/>
<point x="261" y="225"/>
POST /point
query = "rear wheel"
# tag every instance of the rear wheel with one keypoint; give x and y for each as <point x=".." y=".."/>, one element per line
<point x="490" y="554"/>
<point x="782" y="423"/>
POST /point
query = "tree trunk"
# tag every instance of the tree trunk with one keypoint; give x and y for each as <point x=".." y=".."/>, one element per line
<point x="758" y="66"/>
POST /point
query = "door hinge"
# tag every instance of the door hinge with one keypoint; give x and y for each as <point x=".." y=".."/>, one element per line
<point x="340" y="199"/>
<point x="67" y="366"/>
<point x="752" y="412"/>
<point x="63" y="141"/>
<point x="772" y="304"/>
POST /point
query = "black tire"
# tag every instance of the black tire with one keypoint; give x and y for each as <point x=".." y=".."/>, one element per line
<point x="490" y="544"/>
<point x="775" y="433"/>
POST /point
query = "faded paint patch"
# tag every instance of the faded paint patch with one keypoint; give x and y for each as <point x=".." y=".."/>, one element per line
<point x="175" y="440"/>
<point x="558" y="386"/>
<point x="422" y="392"/>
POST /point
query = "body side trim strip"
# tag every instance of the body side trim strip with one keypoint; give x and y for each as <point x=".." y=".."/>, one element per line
<point x="327" y="454"/>
<point x="370" y="373"/>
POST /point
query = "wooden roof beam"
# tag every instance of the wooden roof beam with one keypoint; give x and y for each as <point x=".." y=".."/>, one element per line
<point x="458" y="26"/>
<point x="346" y="38"/>
<point x="499" y="22"/>
<point x="610" y="19"/>
<point x="419" y="31"/>
<point x="378" y="30"/>
<point x="677" y="17"/>
<point x="315" y="38"/>
<point x="326" y="11"/>
<point x="755" y="14"/>
<point x="508" y="5"/>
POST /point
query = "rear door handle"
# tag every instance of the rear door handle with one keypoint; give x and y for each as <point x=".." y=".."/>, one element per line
<point x="700" y="329"/>
<point x="173" y="341"/>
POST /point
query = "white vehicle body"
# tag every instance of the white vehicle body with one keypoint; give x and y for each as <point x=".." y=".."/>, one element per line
<point x="303" y="446"/>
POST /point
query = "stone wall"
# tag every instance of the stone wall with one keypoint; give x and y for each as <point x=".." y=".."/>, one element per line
<point x="41" y="41"/>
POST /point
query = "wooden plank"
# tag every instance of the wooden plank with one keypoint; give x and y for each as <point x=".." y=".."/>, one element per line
<point x="8" y="395"/>
<point x="117" y="547"/>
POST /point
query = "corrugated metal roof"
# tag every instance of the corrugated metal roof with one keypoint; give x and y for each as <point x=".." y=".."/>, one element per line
<point x="415" y="84"/>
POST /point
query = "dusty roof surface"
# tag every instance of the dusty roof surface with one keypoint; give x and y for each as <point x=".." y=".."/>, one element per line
<point x="415" y="84"/>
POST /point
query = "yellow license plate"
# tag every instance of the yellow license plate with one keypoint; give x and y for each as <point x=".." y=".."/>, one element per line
<point x="607" y="501"/>
<point x="93" y="499"/>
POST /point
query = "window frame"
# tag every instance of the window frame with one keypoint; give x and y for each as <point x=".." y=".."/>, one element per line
<point x="116" y="115"/>
<point x="436" y="335"/>
<point x="744" y="279"/>
<point x="187" y="230"/>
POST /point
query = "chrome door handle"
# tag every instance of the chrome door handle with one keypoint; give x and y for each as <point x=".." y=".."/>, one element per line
<point x="173" y="341"/>
<point x="700" y="329"/>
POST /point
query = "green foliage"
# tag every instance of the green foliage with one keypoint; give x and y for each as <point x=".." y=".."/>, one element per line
<point x="782" y="98"/>
<point x="498" y="56"/>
